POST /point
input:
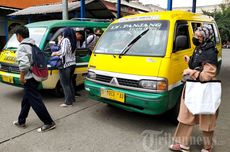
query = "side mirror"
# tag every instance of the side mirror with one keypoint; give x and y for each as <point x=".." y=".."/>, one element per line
<point x="181" y="43"/>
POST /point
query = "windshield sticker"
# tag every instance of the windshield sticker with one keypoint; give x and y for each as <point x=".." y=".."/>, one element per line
<point x="136" y="26"/>
<point x="39" y="31"/>
<point x="141" y="18"/>
<point x="10" y="58"/>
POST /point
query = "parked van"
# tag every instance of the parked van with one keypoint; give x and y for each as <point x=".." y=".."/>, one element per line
<point x="137" y="65"/>
<point x="43" y="33"/>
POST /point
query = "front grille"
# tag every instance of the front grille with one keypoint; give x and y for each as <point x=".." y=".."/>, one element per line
<point x="103" y="78"/>
<point x="9" y="68"/>
<point x="128" y="82"/>
<point x="121" y="81"/>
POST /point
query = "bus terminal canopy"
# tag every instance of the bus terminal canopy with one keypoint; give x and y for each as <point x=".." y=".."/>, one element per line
<point x="87" y="8"/>
<point x="102" y="9"/>
<point x="94" y="9"/>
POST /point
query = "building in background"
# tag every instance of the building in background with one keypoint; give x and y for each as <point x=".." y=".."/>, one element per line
<point x="155" y="8"/>
<point x="102" y="9"/>
<point x="152" y="8"/>
<point x="128" y="7"/>
<point x="4" y="23"/>
<point x="200" y="9"/>
<point x="20" y="4"/>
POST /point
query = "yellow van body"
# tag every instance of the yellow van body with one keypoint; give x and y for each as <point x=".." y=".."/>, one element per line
<point x="137" y="82"/>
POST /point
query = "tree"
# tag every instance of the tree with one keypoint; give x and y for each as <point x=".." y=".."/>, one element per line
<point x="222" y="19"/>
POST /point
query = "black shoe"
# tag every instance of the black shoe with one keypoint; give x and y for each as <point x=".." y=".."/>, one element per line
<point x="77" y="94"/>
<point x="16" y="123"/>
<point x="46" y="127"/>
<point x="64" y="105"/>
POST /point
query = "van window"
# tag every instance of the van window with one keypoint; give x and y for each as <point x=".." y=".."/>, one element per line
<point x="119" y="36"/>
<point x="56" y="32"/>
<point x="92" y="35"/>
<point x="80" y="37"/>
<point x="53" y="35"/>
<point x="214" y="28"/>
<point x="36" y="33"/>
<point x="181" y="30"/>
<point x="195" y="26"/>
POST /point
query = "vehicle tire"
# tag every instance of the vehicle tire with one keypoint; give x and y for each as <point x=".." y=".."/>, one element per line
<point x="59" y="90"/>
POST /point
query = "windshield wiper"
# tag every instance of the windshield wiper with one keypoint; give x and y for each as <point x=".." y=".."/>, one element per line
<point x="127" y="48"/>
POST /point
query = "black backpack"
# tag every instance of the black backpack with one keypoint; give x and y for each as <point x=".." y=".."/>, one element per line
<point x="39" y="67"/>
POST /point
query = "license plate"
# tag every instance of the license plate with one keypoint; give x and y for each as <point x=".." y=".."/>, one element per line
<point x="113" y="95"/>
<point x="8" y="79"/>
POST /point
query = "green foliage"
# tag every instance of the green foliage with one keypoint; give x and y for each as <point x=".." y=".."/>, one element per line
<point x="222" y="19"/>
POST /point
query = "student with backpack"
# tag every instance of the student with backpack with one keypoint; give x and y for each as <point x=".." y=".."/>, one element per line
<point x="66" y="72"/>
<point x="33" y="69"/>
<point x="91" y="40"/>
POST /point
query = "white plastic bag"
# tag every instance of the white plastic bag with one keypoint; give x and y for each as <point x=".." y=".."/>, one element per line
<point x="203" y="97"/>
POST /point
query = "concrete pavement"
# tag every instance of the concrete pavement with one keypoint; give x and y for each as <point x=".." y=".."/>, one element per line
<point x="90" y="126"/>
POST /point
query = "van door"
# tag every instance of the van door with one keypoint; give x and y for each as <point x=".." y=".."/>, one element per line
<point x="181" y="47"/>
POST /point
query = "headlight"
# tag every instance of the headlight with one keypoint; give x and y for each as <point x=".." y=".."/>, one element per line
<point x="91" y="75"/>
<point x="160" y="85"/>
<point x="148" y="84"/>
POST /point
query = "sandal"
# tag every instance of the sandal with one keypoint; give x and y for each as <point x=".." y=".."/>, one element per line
<point x="179" y="148"/>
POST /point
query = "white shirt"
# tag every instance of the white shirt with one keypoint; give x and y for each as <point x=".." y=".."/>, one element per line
<point x="91" y="41"/>
<point x="67" y="55"/>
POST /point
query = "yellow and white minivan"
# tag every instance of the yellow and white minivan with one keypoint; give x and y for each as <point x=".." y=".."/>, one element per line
<point x="43" y="33"/>
<point x="137" y="65"/>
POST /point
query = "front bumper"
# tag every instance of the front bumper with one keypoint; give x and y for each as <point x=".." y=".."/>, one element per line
<point x="135" y="101"/>
<point x="15" y="78"/>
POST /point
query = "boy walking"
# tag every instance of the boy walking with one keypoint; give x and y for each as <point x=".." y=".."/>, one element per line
<point x="32" y="97"/>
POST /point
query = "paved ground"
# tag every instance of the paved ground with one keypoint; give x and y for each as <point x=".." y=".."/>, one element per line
<point x="90" y="126"/>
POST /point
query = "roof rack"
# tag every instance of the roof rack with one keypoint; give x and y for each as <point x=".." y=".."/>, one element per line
<point x="92" y="19"/>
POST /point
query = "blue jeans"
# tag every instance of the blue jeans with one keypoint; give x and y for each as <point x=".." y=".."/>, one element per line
<point x="66" y="79"/>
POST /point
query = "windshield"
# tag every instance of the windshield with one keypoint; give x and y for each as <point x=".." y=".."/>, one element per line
<point x="35" y="33"/>
<point x="120" y="35"/>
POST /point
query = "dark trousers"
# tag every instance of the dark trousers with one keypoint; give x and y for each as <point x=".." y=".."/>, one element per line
<point x="32" y="98"/>
<point x="66" y="79"/>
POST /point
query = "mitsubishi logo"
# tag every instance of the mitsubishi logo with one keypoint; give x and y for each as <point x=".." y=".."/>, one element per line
<point x="114" y="81"/>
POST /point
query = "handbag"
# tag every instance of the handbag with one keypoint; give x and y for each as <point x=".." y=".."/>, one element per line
<point x="202" y="97"/>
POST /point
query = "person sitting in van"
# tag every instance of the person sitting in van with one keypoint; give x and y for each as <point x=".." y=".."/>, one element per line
<point x="91" y="40"/>
<point x="98" y="32"/>
<point x="79" y="37"/>
<point x="56" y="46"/>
